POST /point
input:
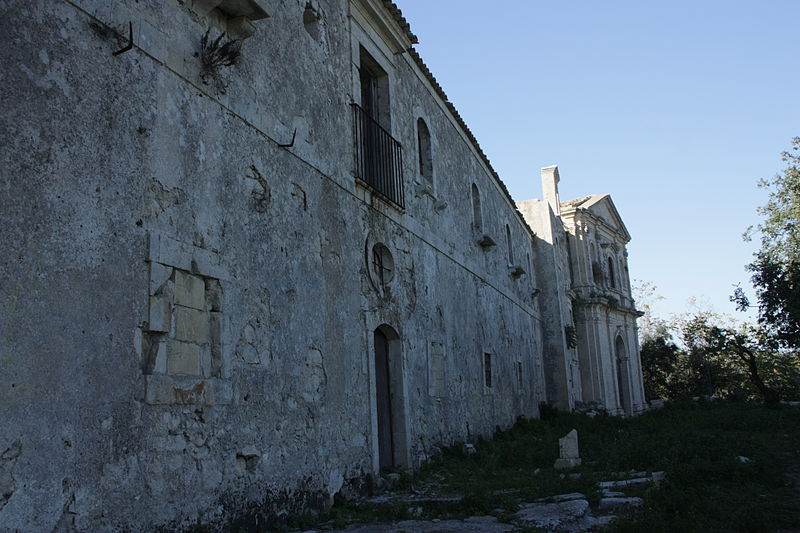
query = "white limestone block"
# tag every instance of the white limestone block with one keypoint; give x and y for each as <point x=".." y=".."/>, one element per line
<point x="190" y="290"/>
<point x="160" y="362"/>
<point x="158" y="390"/>
<point x="159" y="274"/>
<point x="615" y="503"/>
<point x="160" y="314"/>
<point x="192" y="325"/>
<point x="183" y="358"/>
<point x="553" y="515"/>
<point x="569" y="457"/>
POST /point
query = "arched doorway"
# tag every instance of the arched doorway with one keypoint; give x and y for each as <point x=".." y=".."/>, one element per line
<point x="389" y="399"/>
<point x="623" y="378"/>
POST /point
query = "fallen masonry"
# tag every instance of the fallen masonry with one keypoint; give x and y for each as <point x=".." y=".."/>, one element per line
<point x="570" y="512"/>
<point x="488" y="524"/>
<point x="657" y="477"/>
<point x="569" y="456"/>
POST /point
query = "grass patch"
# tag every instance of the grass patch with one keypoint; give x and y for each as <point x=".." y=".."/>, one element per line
<point x="697" y="444"/>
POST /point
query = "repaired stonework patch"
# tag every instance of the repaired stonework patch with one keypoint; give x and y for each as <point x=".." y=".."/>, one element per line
<point x="183" y="337"/>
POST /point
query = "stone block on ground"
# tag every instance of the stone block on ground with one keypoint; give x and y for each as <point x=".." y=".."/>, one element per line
<point x="629" y="474"/>
<point x="485" y="524"/>
<point x="553" y="515"/>
<point x="569" y="456"/>
<point x="563" y="497"/>
<point x="624" y="482"/>
<point x="616" y="504"/>
<point x="425" y="499"/>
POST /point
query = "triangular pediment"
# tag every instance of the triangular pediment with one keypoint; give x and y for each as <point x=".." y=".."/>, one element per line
<point x="602" y="206"/>
<point x="387" y="20"/>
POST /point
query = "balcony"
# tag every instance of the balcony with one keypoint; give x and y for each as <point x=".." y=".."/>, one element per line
<point x="378" y="157"/>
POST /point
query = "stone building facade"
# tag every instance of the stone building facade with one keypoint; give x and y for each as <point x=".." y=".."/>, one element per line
<point x="234" y="290"/>
<point x="591" y="340"/>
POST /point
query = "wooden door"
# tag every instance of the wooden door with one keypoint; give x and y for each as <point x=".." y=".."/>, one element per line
<point x="384" y="401"/>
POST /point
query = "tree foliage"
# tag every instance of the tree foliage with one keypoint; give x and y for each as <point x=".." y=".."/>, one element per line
<point x="780" y="231"/>
<point x="714" y="357"/>
<point x="748" y="347"/>
<point x="776" y="268"/>
<point x="659" y="360"/>
<point x="646" y="295"/>
<point x="705" y="354"/>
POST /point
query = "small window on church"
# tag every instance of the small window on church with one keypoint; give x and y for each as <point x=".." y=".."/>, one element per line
<point x="487" y="370"/>
<point x="611" y="277"/>
<point x="477" y="217"/>
<point x="597" y="274"/>
<point x="424" y="150"/>
<point x="312" y="21"/>
<point x="382" y="264"/>
<point x="436" y="379"/>
<point x="510" y="248"/>
<point x="569" y="258"/>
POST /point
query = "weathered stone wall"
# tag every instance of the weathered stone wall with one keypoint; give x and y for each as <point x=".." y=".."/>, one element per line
<point x="553" y="266"/>
<point x="187" y="308"/>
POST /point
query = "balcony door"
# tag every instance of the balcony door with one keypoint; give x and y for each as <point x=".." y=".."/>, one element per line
<point x="374" y="83"/>
<point x="378" y="156"/>
<point x="369" y="93"/>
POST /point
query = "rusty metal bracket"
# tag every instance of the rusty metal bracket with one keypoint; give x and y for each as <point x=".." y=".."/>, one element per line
<point x="291" y="143"/>
<point x="130" y="41"/>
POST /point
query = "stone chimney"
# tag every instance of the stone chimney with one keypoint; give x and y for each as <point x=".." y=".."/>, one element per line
<point x="550" y="181"/>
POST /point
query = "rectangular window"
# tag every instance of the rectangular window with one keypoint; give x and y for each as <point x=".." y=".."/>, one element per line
<point x="487" y="370"/>
<point x="436" y="374"/>
<point x="520" y="379"/>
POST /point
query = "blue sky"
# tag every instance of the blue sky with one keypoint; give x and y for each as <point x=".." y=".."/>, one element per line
<point x="675" y="108"/>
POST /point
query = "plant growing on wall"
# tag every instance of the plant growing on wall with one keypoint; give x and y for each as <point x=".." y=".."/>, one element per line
<point x="571" y="335"/>
<point x="216" y="55"/>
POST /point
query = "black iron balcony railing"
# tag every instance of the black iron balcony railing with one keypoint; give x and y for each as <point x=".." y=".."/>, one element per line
<point x="378" y="157"/>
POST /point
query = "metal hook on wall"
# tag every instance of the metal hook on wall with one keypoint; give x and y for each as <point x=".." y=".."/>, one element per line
<point x="291" y="143"/>
<point x="130" y="41"/>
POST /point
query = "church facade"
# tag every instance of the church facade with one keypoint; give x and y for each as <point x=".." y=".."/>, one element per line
<point x="595" y="362"/>
<point x="252" y="254"/>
